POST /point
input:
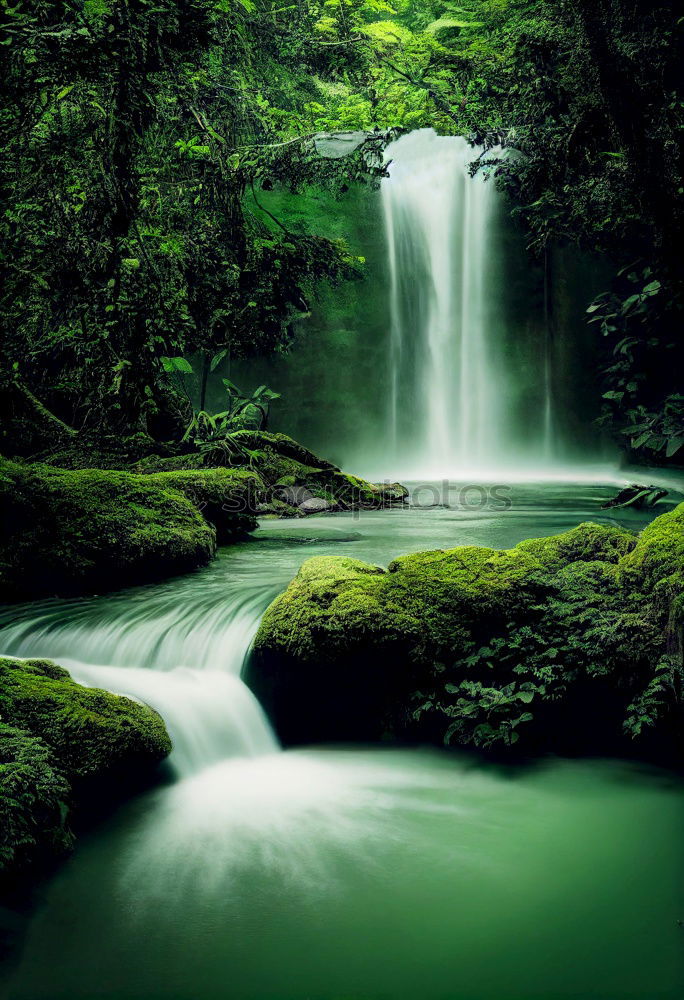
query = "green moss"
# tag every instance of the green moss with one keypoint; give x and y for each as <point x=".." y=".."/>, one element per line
<point x="274" y="461"/>
<point x="657" y="560"/>
<point x="586" y="543"/>
<point x="656" y="568"/>
<point x="225" y="497"/>
<point x="281" y="445"/>
<point x="91" y="732"/>
<point x="349" y="492"/>
<point x="174" y="463"/>
<point x="63" y="747"/>
<point x="273" y="467"/>
<point x="558" y="642"/>
<point x="66" y="531"/>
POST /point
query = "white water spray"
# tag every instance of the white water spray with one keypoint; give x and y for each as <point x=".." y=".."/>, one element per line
<point x="446" y="384"/>
<point x="182" y="659"/>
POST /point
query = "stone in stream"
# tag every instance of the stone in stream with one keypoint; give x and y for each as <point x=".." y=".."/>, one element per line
<point x="636" y="495"/>
<point x="315" y="505"/>
<point x="293" y="495"/>
<point x="392" y="492"/>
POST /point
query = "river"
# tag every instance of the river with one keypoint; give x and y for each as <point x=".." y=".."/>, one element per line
<point x="343" y="873"/>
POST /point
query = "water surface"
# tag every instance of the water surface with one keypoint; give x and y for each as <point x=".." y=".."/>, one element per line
<point x="344" y="873"/>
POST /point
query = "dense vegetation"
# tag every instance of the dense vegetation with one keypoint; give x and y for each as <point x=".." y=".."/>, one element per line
<point x="580" y="105"/>
<point x="67" y="749"/>
<point x="137" y="139"/>
<point x="85" y="530"/>
<point x="566" y="644"/>
<point x="133" y="137"/>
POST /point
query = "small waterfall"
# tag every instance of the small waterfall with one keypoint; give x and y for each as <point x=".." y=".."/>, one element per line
<point x="210" y="716"/>
<point x="446" y="382"/>
<point x="182" y="657"/>
<point x="160" y="626"/>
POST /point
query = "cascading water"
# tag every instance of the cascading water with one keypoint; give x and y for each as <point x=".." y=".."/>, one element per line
<point x="182" y="659"/>
<point x="327" y="873"/>
<point x="463" y="355"/>
<point x="446" y="385"/>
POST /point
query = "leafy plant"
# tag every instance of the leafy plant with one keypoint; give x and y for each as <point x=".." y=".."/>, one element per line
<point x="640" y="401"/>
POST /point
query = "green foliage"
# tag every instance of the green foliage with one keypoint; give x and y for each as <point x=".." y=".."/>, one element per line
<point x="134" y="139"/>
<point x="568" y="643"/>
<point x="244" y="412"/>
<point x="579" y="104"/>
<point x="33" y="801"/>
<point x="641" y="401"/>
<point x="63" y="747"/>
<point x="653" y="703"/>
<point x="138" y="139"/>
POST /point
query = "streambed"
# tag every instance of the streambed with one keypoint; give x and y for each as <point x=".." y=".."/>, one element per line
<point x="344" y="872"/>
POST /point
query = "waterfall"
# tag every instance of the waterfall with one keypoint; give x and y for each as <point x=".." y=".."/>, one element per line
<point x="548" y="421"/>
<point x="447" y="385"/>
<point x="182" y="657"/>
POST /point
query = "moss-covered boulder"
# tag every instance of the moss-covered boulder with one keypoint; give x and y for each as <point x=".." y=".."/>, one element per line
<point x="64" y="749"/>
<point x="283" y="446"/>
<point x="586" y="543"/>
<point x="283" y="476"/>
<point x="92" y="732"/>
<point x="657" y="561"/>
<point x="224" y="497"/>
<point x="71" y="531"/>
<point x="564" y="643"/>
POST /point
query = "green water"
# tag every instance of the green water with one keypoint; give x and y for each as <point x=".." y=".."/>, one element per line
<point x="384" y="874"/>
<point x="351" y="873"/>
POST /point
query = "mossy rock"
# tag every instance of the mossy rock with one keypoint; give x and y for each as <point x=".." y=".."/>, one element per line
<point x="226" y="498"/>
<point x="64" y="749"/>
<point x="557" y="644"/>
<point x="587" y="542"/>
<point x="282" y="445"/>
<point x="277" y="462"/>
<point x="74" y="531"/>
<point x="91" y="732"/>
<point x="363" y="638"/>
<point x="657" y="560"/>
<point x="656" y="567"/>
<point x="194" y="461"/>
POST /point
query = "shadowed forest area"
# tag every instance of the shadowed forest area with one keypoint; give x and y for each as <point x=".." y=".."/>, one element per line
<point x="138" y="139"/>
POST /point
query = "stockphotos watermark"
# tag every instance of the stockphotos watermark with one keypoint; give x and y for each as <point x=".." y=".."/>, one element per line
<point x="460" y="496"/>
<point x="324" y="497"/>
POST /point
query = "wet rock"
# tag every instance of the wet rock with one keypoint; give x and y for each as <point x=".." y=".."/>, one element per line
<point x="295" y="496"/>
<point x="636" y="495"/>
<point x="392" y="492"/>
<point x="315" y="505"/>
